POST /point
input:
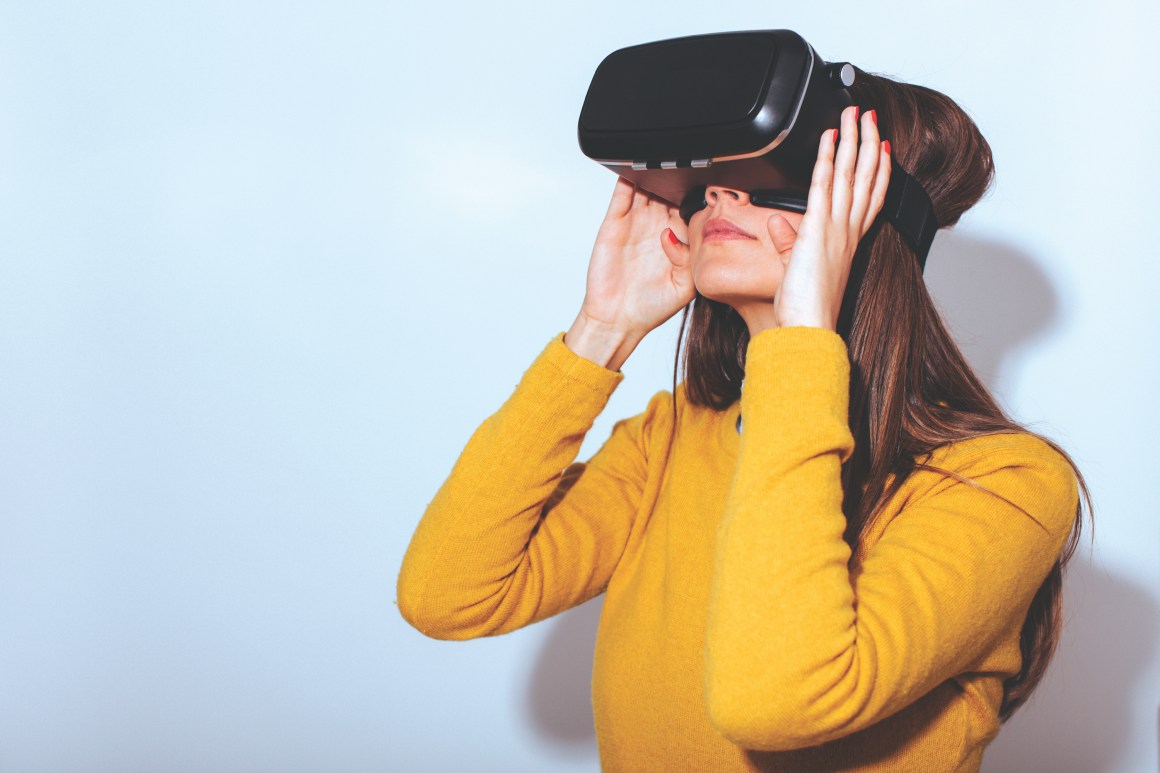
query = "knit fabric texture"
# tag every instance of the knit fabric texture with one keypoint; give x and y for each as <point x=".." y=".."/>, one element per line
<point x="738" y="631"/>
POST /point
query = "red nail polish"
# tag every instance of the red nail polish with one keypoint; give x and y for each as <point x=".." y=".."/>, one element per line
<point x="886" y="144"/>
<point x="835" y="136"/>
<point x="673" y="237"/>
<point x="874" y="116"/>
<point x="855" y="113"/>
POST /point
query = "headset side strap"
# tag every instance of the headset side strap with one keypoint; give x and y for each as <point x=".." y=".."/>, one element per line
<point x="909" y="207"/>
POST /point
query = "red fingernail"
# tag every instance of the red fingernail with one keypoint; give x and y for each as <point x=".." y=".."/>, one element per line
<point x="886" y="144"/>
<point x="673" y="237"/>
<point x="835" y="136"/>
<point x="874" y="116"/>
<point x="855" y="112"/>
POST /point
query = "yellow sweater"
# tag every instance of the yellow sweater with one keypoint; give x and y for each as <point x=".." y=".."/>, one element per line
<point x="736" y="633"/>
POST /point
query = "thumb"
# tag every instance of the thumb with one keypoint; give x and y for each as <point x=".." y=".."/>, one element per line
<point x="676" y="250"/>
<point x="783" y="234"/>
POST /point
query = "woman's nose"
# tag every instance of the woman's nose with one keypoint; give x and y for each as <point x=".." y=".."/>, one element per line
<point x="715" y="192"/>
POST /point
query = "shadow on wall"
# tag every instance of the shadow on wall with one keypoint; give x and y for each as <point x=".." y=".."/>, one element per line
<point x="559" y="705"/>
<point x="1080" y="717"/>
<point x="994" y="301"/>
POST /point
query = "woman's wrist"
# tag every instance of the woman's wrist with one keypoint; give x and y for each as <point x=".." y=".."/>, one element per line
<point x="606" y="345"/>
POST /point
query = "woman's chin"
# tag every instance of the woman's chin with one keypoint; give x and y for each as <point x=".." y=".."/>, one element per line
<point x="733" y="281"/>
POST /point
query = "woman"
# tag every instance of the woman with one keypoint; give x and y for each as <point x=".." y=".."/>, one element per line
<point x="862" y="573"/>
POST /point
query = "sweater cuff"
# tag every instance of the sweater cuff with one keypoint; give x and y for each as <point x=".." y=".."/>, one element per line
<point x="579" y="369"/>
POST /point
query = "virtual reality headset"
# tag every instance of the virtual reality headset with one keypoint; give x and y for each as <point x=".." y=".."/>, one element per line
<point x="743" y="110"/>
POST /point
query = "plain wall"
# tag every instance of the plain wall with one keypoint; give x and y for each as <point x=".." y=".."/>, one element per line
<point x="264" y="268"/>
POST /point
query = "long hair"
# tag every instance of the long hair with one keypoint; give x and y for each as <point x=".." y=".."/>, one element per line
<point x="911" y="389"/>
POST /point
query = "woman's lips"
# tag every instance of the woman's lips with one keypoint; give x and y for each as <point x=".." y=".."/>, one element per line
<point x="719" y="228"/>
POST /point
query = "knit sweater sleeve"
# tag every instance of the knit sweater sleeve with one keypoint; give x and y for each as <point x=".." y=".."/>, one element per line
<point x="799" y="652"/>
<point x="516" y="533"/>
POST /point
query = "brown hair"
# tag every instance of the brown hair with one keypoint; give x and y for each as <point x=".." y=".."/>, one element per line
<point x="911" y="389"/>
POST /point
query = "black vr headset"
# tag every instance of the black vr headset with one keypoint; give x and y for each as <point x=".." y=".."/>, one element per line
<point x="743" y="110"/>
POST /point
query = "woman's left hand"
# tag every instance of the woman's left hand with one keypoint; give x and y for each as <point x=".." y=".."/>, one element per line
<point x="842" y="203"/>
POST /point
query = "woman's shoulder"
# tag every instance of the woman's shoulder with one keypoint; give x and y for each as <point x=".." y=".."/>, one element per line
<point x="667" y="408"/>
<point x="668" y="404"/>
<point x="1020" y="466"/>
<point x="1002" y="448"/>
<point x="656" y="417"/>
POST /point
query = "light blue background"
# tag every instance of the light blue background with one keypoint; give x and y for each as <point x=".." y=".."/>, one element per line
<point x="264" y="267"/>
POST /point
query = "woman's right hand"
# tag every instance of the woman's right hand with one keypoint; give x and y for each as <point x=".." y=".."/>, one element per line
<point x="637" y="277"/>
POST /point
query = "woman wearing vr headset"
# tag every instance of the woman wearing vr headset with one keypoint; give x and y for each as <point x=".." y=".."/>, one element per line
<point x="853" y="563"/>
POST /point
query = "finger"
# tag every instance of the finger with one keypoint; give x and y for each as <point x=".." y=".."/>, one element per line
<point x="782" y="232"/>
<point x="881" y="183"/>
<point x="639" y="198"/>
<point x="822" y="179"/>
<point x="844" y="166"/>
<point x="864" y="173"/>
<point x="621" y="198"/>
<point x="658" y="204"/>
<point x="653" y="198"/>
